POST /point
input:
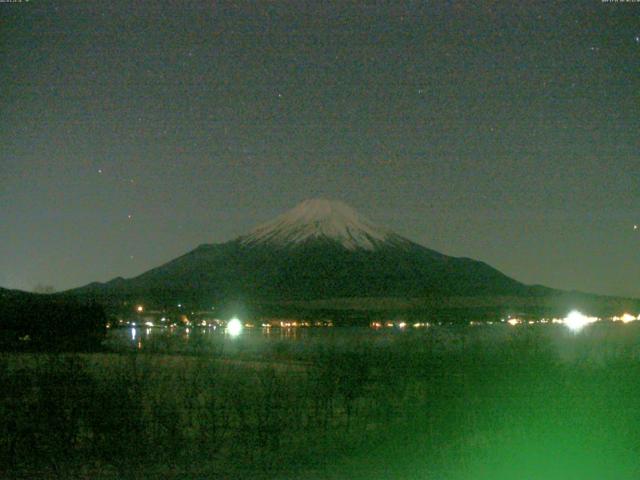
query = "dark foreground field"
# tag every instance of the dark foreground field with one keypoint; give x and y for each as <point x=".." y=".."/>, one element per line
<point x="476" y="403"/>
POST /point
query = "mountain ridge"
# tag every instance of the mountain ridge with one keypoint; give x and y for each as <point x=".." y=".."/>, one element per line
<point x="319" y="251"/>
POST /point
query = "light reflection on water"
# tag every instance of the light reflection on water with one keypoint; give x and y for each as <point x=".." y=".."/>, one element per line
<point x="205" y="338"/>
<point x="136" y="332"/>
<point x="210" y="340"/>
<point x="162" y="338"/>
<point x="600" y="341"/>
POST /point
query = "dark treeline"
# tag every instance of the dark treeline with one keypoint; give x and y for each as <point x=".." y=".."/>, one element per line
<point x="36" y="322"/>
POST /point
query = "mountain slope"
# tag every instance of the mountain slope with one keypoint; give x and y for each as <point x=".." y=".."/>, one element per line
<point x="320" y="249"/>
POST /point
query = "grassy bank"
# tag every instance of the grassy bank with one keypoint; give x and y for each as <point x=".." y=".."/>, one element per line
<point x="483" y="403"/>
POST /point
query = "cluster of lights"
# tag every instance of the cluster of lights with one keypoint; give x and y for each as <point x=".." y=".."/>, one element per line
<point x="291" y="323"/>
<point x="401" y="325"/>
<point x="513" y="321"/>
<point x="294" y="324"/>
<point x="183" y="321"/>
<point x="626" y="318"/>
<point x="575" y="320"/>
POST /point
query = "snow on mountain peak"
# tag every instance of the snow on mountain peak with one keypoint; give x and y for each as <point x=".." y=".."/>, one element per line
<point x="320" y="218"/>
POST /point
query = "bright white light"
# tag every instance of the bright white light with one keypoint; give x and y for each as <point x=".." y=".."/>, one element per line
<point x="626" y="318"/>
<point x="133" y="334"/>
<point x="513" y="321"/>
<point x="576" y="321"/>
<point x="139" y="309"/>
<point x="234" y="327"/>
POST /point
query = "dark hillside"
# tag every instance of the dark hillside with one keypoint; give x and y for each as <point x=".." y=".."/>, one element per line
<point x="45" y="322"/>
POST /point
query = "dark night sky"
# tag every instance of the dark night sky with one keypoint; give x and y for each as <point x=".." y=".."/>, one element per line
<point x="134" y="131"/>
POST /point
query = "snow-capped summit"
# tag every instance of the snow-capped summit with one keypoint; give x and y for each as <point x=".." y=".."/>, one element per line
<point x="323" y="219"/>
<point x="320" y="250"/>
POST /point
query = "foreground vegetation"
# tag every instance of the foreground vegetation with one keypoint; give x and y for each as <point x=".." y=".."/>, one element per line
<point x="472" y="403"/>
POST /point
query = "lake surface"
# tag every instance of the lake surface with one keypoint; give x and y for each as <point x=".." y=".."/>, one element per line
<point x="218" y="340"/>
<point x="600" y="340"/>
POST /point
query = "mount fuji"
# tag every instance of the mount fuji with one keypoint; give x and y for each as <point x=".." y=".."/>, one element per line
<point x="319" y="250"/>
